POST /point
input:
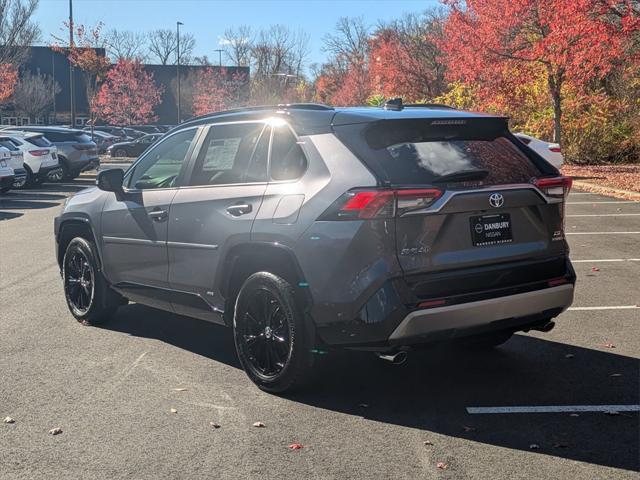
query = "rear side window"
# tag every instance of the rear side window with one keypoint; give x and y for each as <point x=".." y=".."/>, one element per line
<point x="287" y="158"/>
<point x="416" y="152"/>
<point x="8" y="144"/>
<point x="225" y="155"/>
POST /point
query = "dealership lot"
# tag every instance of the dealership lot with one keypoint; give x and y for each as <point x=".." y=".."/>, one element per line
<point x="557" y="405"/>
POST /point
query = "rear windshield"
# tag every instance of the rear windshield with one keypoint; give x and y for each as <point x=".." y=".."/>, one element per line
<point x="417" y="152"/>
<point x="38" y="141"/>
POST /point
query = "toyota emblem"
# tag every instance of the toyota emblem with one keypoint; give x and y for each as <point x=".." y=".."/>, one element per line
<point x="496" y="200"/>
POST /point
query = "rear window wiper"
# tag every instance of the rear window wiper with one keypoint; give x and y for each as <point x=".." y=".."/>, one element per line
<point x="461" y="176"/>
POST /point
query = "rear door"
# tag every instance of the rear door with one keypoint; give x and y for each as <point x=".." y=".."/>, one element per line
<point x="466" y="192"/>
<point x="214" y="212"/>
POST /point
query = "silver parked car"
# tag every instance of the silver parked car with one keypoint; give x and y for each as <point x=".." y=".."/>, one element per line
<point x="305" y="226"/>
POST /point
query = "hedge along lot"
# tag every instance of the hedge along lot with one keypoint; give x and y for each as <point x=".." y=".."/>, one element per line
<point x="621" y="181"/>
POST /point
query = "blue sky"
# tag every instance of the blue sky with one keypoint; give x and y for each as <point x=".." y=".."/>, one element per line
<point x="207" y="19"/>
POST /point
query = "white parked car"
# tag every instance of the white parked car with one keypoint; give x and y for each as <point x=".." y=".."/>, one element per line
<point x="7" y="174"/>
<point x="16" y="161"/>
<point x="551" y="152"/>
<point x="40" y="157"/>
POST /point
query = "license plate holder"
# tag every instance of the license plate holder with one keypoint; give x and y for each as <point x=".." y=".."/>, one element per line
<point x="491" y="229"/>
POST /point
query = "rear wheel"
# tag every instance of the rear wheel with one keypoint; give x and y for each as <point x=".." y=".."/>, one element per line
<point x="120" y="153"/>
<point x="272" y="341"/>
<point x="67" y="173"/>
<point x="88" y="296"/>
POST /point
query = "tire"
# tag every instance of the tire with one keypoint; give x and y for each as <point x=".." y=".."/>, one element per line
<point x="272" y="339"/>
<point x="89" y="298"/>
<point x="121" y="153"/>
<point x="486" y="342"/>
<point x="67" y="173"/>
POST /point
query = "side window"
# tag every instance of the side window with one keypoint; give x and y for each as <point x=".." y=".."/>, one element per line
<point x="225" y="154"/>
<point x="287" y="158"/>
<point x="160" y="167"/>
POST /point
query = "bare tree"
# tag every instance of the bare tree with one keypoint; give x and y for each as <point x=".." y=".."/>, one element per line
<point x="125" y="45"/>
<point x="17" y="30"/>
<point x="34" y="94"/>
<point x="163" y="45"/>
<point x="349" y="44"/>
<point x="238" y="43"/>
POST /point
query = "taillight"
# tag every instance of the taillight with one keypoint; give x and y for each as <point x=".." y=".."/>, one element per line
<point x="368" y="204"/>
<point x="555" y="149"/>
<point x="555" y="186"/>
<point x="38" y="153"/>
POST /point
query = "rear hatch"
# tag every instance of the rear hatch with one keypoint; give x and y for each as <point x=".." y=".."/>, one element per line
<point x="467" y="193"/>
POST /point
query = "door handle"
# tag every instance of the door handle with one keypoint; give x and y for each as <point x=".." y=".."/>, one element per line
<point x="239" y="209"/>
<point x="159" y="215"/>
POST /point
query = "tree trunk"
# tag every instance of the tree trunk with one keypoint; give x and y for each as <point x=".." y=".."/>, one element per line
<point x="555" y="87"/>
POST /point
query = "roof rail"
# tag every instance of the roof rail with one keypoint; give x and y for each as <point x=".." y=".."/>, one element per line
<point x="282" y="106"/>
<point x="429" y="105"/>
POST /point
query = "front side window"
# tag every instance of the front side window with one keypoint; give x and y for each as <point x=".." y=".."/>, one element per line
<point x="160" y="167"/>
<point x="287" y="158"/>
<point x="226" y="153"/>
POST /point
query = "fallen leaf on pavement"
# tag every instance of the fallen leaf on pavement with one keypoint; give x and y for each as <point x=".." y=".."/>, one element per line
<point x="214" y="424"/>
<point x="428" y="442"/>
<point x="534" y="446"/>
<point x="296" y="446"/>
<point x="608" y="345"/>
<point x="595" y="269"/>
<point x="442" y="465"/>
<point x="615" y="375"/>
<point x="179" y="389"/>
<point x="569" y="355"/>
<point x="9" y="420"/>
<point x="173" y="410"/>
<point x="55" y="431"/>
<point x="258" y="425"/>
<point x="468" y="429"/>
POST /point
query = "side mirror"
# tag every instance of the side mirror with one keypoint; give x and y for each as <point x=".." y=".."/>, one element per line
<point x="110" y="180"/>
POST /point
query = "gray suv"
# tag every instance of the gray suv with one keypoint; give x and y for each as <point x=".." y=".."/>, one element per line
<point x="304" y="227"/>
<point x="76" y="152"/>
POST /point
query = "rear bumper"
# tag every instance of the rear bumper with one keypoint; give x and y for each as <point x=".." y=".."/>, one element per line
<point x="469" y="316"/>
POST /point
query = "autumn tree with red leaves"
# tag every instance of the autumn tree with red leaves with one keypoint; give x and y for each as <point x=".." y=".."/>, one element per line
<point x="128" y="95"/>
<point x="217" y="89"/>
<point x="8" y="80"/>
<point x="493" y="42"/>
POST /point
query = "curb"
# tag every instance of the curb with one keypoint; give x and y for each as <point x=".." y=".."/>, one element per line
<point x="608" y="191"/>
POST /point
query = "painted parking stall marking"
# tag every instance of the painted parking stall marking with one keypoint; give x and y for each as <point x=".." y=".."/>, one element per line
<point x="555" y="409"/>
<point x="602" y="233"/>
<point x="610" y="307"/>
<point x="599" y="260"/>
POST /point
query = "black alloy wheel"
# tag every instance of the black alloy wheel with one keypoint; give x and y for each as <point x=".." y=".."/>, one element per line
<point x="79" y="282"/>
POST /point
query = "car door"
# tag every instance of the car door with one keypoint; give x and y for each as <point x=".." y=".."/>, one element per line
<point x="135" y="223"/>
<point x="214" y="211"/>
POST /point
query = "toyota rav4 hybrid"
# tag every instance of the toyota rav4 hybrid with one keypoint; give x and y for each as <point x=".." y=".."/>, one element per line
<point x="304" y="227"/>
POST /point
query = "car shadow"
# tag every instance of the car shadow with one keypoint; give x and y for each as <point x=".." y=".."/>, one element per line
<point x="9" y="215"/>
<point x="432" y="390"/>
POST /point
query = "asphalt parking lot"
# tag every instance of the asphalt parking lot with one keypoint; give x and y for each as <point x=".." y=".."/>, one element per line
<point x="112" y="389"/>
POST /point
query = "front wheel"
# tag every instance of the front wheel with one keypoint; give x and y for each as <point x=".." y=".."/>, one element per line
<point x="88" y="296"/>
<point x="272" y="340"/>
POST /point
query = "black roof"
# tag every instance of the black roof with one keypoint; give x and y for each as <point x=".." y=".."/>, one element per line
<point x="312" y="118"/>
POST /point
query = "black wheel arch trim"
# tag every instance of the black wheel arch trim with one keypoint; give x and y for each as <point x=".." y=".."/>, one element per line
<point x="63" y="222"/>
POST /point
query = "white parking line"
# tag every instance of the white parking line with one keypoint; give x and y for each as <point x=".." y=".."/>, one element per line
<point x="607" y="260"/>
<point x="556" y="409"/>
<point x="606" y="201"/>
<point x="602" y="233"/>
<point x="612" y="307"/>
<point x="606" y="215"/>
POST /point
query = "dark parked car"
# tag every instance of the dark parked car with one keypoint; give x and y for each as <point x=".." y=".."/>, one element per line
<point x="117" y="132"/>
<point x="104" y="140"/>
<point x="76" y="151"/>
<point x="147" y="128"/>
<point x="302" y="226"/>
<point x="133" y="148"/>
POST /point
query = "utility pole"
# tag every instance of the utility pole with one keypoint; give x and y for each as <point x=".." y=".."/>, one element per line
<point x="219" y="50"/>
<point x="72" y="87"/>
<point x="178" y="68"/>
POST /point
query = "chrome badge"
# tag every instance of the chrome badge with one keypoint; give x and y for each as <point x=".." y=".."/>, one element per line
<point x="496" y="200"/>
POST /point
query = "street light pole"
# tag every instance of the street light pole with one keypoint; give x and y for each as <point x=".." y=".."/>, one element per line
<point x="219" y="50"/>
<point x="72" y="86"/>
<point x="178" y="67"/>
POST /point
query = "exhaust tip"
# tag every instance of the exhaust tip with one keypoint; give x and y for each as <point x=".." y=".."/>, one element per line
<point x="396" y="358"/>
